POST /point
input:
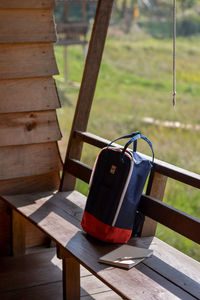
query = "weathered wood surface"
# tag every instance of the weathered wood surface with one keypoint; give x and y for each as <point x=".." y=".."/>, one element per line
<point x="27" y="60"/>
<point x="25" y="235"/>
<point x="34" y="236"/>
<point x="71" y="279"/>
<point x="29" y="160"/>
<point x="88" y="85"/>
<point x="5" y="232"/>
<point x="39" y="276"/>
<point x="171" y="217"/>
<point x="146" y="281"/>
<point x="28" y="128"/>
<point x="30" y="184"/>
<point x="18" y="234"/>
<point x="27" y="4"/>
<point x="33" y="94"/>
<point x="32" y="25"/>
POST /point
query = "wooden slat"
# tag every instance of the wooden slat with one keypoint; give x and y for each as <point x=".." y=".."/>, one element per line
<point x="27" y="60"/>
<point x="34" y="94"/>
<point x="161" y="167"/>
<point x="145" y="283"/>
<point x="78" y="169"/>
<point x="88" y="85"/>
<point x="28" y="128"/>
<point x="171" y="217"/>
<point x="172" y="264"/>
<point x="27" y="4"/>
<point x="5" y="231"/>
<point x="20" y="26"/>
<point x="30" y="184"/>
<point x="29" y="160"/>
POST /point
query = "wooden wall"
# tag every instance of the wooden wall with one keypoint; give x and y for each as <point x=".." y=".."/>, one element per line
<point x="29" y="155"/>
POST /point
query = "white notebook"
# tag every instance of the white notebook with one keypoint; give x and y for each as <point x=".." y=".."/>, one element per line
<point x="125" y="256"/>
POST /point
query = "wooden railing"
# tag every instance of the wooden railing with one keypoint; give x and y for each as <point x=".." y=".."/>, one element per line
<point x="151" y="203"/>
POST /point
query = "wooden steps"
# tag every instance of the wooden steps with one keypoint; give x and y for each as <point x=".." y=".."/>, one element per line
<point x="39" y="276"/>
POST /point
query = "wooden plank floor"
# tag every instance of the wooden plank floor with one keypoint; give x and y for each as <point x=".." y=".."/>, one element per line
<point x="38" y="276"/>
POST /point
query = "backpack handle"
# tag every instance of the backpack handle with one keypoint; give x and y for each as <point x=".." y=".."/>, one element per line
<point x="126" y="137"/>
<point x="134" y="139"/>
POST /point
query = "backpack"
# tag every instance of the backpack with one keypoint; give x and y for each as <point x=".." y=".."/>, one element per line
<point x="115" y="188"/>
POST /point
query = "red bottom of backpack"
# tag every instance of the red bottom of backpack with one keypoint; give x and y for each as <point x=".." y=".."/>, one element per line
<point x="103" y="231"/>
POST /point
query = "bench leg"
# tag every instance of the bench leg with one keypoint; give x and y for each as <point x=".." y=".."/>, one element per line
<point x="71" y="279"/>
<point x="71" y="275"/>
<point x="18" y="234"/>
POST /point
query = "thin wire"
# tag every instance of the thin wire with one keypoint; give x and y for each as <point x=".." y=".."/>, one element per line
<point x="174" y="53"/>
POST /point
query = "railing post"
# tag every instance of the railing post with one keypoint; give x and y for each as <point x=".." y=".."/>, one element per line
<point x="156" y="188"/>
<point x="87" y="89"/>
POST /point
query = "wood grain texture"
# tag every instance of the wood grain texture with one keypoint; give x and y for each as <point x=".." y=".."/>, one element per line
<point x="34" y="94"/>
<point x="71" y="279"/>
<point x="28" y="128"/>
<point x="18" y="234"/>
<point x="28" y="274"/>
<point x="27" y="4"/>
<point x="27" y="60"/>
<point x="34" y="236"/>
<point x="88" y="85"/>
<point x="156" y="188"/>
<point x="5" y="229"/>
<point x="171" y="217"/>
<point x="142" y="281"/>
<point x="30" y="184"/>
<point x="29" y="160"/>
<point x="19" y="26"/>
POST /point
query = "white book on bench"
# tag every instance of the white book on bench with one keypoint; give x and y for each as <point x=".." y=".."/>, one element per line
<point x="126" y="256"/>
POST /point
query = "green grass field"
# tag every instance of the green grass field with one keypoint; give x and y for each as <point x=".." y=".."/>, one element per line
<point x="135" y="82"/>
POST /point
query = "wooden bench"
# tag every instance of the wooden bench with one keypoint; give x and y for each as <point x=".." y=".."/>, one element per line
<point x="168" y="274"/>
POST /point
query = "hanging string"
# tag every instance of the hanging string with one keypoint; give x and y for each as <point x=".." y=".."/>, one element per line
<point x="174" y="53"/>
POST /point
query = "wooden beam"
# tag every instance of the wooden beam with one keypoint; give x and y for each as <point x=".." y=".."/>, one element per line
<point x="27" y="60"/>
<point x="78" y="169"/>
<point x="19" y="26"/>
<point x="32" y="94"/>
<point x="29" y="160"/>
<point x="30" y="184"/>
<point x="171" y="217"/>
<point x="88" y="85"/>
<point x="27" y="4"/>
<point x="29" y="128"/>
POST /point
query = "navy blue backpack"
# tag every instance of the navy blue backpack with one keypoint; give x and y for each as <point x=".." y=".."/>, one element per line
<point x="116" y="185"/>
